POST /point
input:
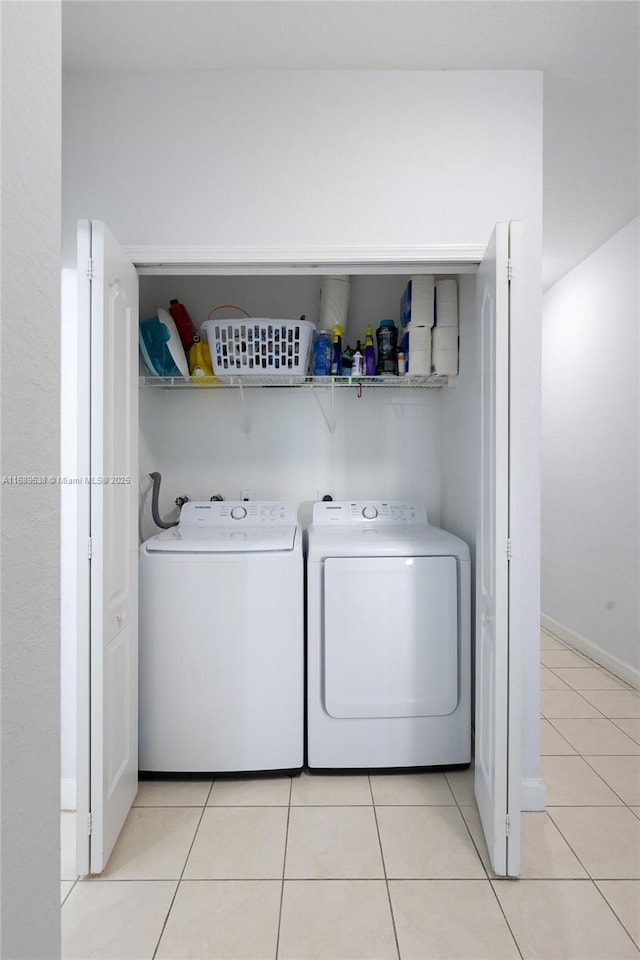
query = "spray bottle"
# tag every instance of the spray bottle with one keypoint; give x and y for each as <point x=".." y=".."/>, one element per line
<point x="336" y="356"/>
<point x="369" y="354"/>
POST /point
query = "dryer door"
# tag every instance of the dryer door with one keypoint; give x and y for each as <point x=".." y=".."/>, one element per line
<point x="390" y="636"/>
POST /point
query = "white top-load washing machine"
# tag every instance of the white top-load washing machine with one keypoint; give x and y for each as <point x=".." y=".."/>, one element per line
<point x="388" y="639"/>
<point x="221" y="659"/>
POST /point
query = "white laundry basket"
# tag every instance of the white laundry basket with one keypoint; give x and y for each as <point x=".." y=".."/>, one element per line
<point x="255" y="346"/>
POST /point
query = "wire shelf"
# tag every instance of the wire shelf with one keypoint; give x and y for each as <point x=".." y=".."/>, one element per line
<point x="255" y="380"/>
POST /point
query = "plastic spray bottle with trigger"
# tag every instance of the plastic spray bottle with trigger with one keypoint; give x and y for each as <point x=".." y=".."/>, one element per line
<point x="336" y="357"/>
<point x="369" y="354"/>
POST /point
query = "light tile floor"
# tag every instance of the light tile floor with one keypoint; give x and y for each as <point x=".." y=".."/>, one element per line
<point x="376" y="867"/>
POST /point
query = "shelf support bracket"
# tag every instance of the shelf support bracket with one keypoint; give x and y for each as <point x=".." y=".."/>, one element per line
<point x="246" y="424"/>
<point x="332" y="425"/>
<point x="329" y="418"/>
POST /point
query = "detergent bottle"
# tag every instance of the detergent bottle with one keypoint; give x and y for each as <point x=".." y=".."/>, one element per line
<point x="336" y="357"/>
<point x="200" y="365"/>
<point x="357" y="364"/>
<point x="369" y="354"/>
<point x="387" y="336"/>
<point x="183" y="322"/>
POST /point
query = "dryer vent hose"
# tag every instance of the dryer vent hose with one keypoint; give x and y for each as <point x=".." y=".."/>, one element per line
<point x="157" y="519"/>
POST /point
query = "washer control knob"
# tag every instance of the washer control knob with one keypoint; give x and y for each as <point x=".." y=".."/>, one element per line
<point x="370" y="513"/>
<point x="238" y="513"/>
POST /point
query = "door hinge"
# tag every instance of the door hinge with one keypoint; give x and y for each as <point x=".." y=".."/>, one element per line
<point x="509" y="269"/>
<point x="90" y="269"/>
<point x="89" y="824"/>
<point x="507" y="825"/>
<point x="90" y="548"/>
<point x="509" y="554"/>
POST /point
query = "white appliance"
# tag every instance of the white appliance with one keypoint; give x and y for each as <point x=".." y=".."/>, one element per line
<point x="221" y="662"/>
<point x="388" y="639"/>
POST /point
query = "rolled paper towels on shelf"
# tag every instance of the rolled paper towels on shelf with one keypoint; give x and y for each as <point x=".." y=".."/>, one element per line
<point x="419" y="338"/>
<point x="445" y="351"/>
<point x="447" y="303"/>
<point x="445" y="338"/>
<point x="334" y="303"/>
<point x="419" y="363"/>
<point x="417" y="301"/>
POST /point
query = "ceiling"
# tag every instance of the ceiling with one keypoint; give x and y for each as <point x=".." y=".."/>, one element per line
<point x="588" y="50"/>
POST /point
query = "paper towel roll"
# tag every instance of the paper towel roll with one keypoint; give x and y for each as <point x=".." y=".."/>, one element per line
<point x="447" y="303"/>
<point x="445" y="351"/>
<point x="445" y="338"/>
<point x="416" y="303"/>
<point x="334" y="302"/>
<point x="419" y="363"/>
<point x="445" y="363"/>
<point x="419" y="338"/>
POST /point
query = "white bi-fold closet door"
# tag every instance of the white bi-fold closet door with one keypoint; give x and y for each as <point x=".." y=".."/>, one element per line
<point x="107" y="519"/>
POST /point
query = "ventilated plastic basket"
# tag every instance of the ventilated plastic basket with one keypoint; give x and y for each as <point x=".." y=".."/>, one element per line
<point x="259" y="347"/>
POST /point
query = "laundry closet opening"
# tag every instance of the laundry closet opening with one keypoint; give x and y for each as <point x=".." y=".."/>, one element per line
<point x="396" y="440"/>
<point x="402" y="448"/>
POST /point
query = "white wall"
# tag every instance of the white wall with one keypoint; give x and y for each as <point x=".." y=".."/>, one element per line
<point x="29" y="513"/>
<point x="311" y="158"/>
<point x="590" y="447"/>
<point x="308" y="157"/>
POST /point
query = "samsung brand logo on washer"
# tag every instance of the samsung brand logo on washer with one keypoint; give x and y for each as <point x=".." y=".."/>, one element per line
<point x="203" y="506"/>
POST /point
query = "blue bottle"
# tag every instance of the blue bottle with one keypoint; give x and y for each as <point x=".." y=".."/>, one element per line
<point x="322" y="355"/>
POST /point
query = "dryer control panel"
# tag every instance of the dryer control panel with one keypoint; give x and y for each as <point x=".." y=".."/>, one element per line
<point x="365" y="511"/>
<point x="225" y="513"/>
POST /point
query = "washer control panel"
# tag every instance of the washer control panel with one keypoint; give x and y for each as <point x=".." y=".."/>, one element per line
<point x="367" y="511"/>
<point x="224" y="513"/>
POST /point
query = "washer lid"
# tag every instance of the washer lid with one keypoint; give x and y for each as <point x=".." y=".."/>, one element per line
<point x="223" y="540"/>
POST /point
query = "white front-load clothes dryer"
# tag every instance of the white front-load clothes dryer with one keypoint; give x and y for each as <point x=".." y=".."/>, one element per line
<point x="221" y="658"/>
<point x="388" y="639"/>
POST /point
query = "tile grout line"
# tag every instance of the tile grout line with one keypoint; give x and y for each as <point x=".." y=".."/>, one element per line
<point x="593" y="806"/>
<point x="562" y="737"/>
<point x="613" y="911"/>
<point x="591" y="754"/>
<point x="624" y="685"/>
<point x="614" y="719"/>
<point x="583" y="757"/>
<point x="384" y="870"/>
<point x="501" y="909"/>
<point x="468" y="829"/>
<point x="574" y="852"/>
<point x="602" y="716"/>
<point x="616" y="689"/>
<point x="184" y="866"/>
<point x="284" y="866"/>
<point x="621" y="799"/>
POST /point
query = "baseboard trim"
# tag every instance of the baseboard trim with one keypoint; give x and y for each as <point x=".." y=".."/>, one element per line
<point x="592" y="650"/>
<point x="68" y="794"/>
<point x="533" y="794"/>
